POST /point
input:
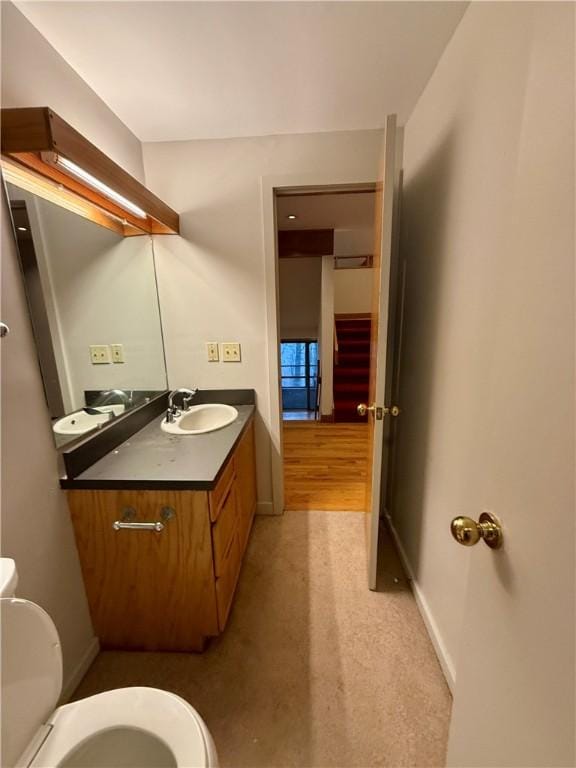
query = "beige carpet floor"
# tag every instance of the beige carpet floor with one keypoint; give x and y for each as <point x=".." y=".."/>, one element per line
<point x="313" y="669"/>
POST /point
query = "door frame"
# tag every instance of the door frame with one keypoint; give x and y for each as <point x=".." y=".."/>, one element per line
<point x="270" y="186"/>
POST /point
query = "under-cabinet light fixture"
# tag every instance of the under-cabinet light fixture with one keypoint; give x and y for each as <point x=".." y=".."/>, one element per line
<point x="99" y="186"/>
<point x="291" y="216"/>
<point x="49" y="157"/>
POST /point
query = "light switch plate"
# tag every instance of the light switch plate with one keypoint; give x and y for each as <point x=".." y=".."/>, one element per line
<point x="117" y="353"/>
<point x="100" y="354"/>
<point x="231" y="352"/>
<point x="212" y="351"/>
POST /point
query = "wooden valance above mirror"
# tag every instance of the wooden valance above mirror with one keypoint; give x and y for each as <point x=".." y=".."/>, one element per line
<point x="42" y="153"/>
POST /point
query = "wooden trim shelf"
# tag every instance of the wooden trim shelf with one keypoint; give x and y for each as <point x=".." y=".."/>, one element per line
<point x="32" y="140"/>
<point x="305" y="242"/>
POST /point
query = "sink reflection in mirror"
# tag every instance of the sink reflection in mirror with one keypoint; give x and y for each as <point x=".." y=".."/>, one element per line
<point x="85" y="420"/>
<point x="93" y="304"/>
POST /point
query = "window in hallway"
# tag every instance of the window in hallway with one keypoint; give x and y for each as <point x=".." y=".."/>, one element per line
<point x="299" y="371"/>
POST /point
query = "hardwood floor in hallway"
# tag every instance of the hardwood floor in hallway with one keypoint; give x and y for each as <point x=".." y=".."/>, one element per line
<point x="325" y="466"/>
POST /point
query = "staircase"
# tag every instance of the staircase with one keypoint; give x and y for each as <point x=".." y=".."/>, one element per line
<point x="352" y="371"/>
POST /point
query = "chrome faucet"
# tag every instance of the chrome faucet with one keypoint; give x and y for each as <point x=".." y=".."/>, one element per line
<point x="173" y="411"/>
<point x="110" y="394"/>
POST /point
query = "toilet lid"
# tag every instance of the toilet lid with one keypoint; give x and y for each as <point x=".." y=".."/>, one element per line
<point x="126" y="726"/>
<point x="31" y="673"/>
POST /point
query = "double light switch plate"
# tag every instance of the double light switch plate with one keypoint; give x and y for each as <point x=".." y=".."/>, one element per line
<point x="231" y="352"/>
<point x="100" y="354"/>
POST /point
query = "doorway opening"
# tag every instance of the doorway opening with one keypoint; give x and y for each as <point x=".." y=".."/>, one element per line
<point x="325" y="273"/>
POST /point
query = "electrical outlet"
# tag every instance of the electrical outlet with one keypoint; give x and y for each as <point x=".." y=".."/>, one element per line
<point x="212" y="351"/>
<point x="231" y="352"/>
<point x="117" y="353"/>
<point x="99" y="354"/>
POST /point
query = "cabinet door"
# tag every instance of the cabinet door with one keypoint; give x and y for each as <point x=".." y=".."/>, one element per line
<point x="147" y="590"/>
<point x="224" y="528"/>
<point x="217" y="497"/>
<point x="228" y="579"/>
<point x="246" y="483"/>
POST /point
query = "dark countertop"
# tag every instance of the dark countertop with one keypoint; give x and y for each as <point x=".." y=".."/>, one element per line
<point x="152" y="459"/>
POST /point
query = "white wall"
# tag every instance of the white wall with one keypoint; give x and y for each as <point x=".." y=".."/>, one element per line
<point x="212" y="278"/>
<point x="36" y="529"/>
<point x="353" y="291"/>
<point x="299" y="280"/>
<point x="353" y="287"/>
<point x="462" y="145"/>
<point x="326" y="352"/>
<point x="35" y="75"/>
<point x="360" y="240"/>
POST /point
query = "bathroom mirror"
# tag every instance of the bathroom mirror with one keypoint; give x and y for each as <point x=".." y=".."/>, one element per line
<point x="93" y="304"/>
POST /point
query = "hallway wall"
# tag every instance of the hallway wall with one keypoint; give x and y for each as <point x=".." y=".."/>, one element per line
<point x="299" y="297"/>
<point x="463" y="146"/>
<point x="353" y="291"/>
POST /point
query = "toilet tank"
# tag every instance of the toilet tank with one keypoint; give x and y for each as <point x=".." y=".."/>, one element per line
<point x="31" y="673"/>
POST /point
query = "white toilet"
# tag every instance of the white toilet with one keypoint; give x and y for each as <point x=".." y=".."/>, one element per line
<point x="123" y="728"/>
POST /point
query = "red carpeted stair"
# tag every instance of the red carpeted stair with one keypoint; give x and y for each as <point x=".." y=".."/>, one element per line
<point x="352" y="372"/>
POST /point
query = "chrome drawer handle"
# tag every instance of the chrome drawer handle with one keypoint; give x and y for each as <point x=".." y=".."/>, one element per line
<point x="127" y="521"/>
<point x="158" y="526"/>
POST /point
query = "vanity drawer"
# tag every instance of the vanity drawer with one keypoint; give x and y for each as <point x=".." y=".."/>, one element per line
<point x="217" y="497"/>
<point x="226" y="582"/>
<point x="224" y="528"/>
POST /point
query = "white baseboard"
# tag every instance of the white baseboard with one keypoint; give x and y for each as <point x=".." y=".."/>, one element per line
<point x="78" y="673"/>
<point x="265" y="508"/>
<point x="444" y="657"/>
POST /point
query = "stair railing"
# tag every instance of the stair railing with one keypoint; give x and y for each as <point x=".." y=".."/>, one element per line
<point x="318" y="389"/>
<point x="335" y="343"/>
<point x="360" y="261"/>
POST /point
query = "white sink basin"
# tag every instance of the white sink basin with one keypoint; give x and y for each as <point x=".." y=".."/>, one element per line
<point x="201" y="418"/>
<point x="79" y="422"/>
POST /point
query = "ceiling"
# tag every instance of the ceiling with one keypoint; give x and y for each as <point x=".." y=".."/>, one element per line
<point x="189" y="70"/>
<point x="326" y="211"/>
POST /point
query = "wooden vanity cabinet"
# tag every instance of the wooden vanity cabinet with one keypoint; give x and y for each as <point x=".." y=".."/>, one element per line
<point x="168" y="590"/>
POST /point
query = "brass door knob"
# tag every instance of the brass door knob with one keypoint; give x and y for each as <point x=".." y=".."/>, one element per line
<point x="469" y="532"/>
<point x="363" y="409"/>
